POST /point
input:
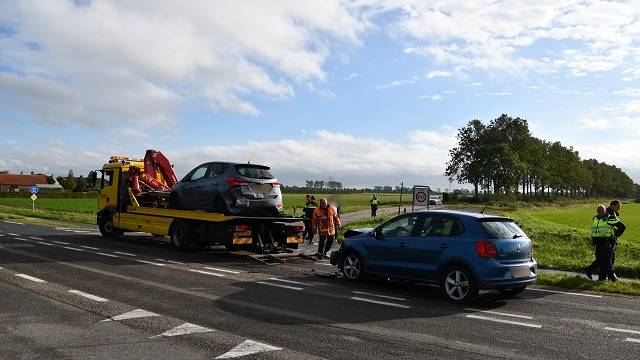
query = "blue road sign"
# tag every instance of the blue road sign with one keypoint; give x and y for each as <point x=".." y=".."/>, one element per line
<point x="35" y="189"/>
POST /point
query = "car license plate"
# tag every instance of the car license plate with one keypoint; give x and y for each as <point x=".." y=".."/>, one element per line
<point x="260" y="188"/>
<point x="520" y="271"/>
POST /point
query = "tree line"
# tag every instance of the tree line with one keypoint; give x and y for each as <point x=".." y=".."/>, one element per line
<point x="503" y="158"/>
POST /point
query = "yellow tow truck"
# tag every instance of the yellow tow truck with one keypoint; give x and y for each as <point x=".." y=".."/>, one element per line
<point x="124" y="206"/>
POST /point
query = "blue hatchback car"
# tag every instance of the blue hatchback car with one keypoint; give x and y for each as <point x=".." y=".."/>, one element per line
<point x="462" y="252"/>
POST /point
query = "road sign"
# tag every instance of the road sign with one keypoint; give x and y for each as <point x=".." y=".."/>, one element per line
<point x="35" y="189"/>
<point x="34" y="197"/>
<point x="420" y="196"/>
<point x="33" y="200"/>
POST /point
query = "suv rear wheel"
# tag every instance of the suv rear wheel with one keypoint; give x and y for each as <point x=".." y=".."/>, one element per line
<point x="458" y="285"/>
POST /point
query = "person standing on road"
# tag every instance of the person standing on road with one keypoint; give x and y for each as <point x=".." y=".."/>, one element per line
<point x="601" y="233"/>
<point x="374" y="206"/>
<point x="613" y="213"/>
<point x="308" y="209"/>
<point x="325" y="222"/>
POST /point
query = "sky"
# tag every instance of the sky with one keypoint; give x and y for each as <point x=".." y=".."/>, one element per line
<point x="366" y="92"/>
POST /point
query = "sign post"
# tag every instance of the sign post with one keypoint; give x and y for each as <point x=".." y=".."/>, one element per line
<point x="34" y="190"/>
<point x="420" y="196"/>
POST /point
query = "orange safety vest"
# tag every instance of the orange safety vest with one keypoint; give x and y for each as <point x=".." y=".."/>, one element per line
<point x="326" y="219"/>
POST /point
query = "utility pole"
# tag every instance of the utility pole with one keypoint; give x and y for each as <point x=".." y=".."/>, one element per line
<point x="401" y="190"/>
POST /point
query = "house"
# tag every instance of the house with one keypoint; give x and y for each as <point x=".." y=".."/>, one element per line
<point x="15" y="182"/>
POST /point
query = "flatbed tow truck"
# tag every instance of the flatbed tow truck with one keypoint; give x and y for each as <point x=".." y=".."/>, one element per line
<point x="134" y="197"/>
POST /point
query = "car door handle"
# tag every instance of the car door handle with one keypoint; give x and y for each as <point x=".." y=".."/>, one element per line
<point x="403" y="244"/>
<point x="443" y="246"/>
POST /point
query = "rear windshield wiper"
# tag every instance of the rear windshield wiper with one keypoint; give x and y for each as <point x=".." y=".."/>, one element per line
<point x="517" y="236"/>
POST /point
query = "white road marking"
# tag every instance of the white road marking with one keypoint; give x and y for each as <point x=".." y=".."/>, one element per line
<point x="281" y="286"/>
<point x="134" y="314"/>
<point x="109" y="255"/>
<point x="290" y="281"/>
<point x="247" y="348"/>
<point x="150" y="262"/>
<point x="44" y="243"/>
<point x="88" y="296"/>
<point x="61" y="242"/>
<point x="35" y="238"/>
<point x="171" y="261"/>
<point x="380" y="296"/>
<point x="500" y="313"/>
<point x="207" y="273"/>
<point x="380" y="302"/>
<point x="21" y="239"/>
<point x="89" y="247"/>
<point x="13" y="222"/>
<point x="184" y="329"/>
<point x="1" y="235"/>
<point x="72" y="248"/>
<point x="222" y="270"/>
<point x="12" y="234"/>
<point x="623" y="330"/>
<point x="25" y="276"/>
<point x="565" y="292"/>
<point x="633" y="340"/>
<point x="124" y="253"/>
<point x="504" y="321"/>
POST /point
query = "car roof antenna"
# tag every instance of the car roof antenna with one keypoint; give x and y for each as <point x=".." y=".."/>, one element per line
<point x="250" y="157"/>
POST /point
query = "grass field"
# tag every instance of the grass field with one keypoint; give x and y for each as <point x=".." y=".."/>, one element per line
<point x="72" y="205"/>
<point x="347" y="202"/>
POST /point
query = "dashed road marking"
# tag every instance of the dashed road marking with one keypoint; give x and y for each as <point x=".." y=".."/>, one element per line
<point x="503" y="321"/>
<point x="124" y="253"/>
<point x="207" y="273"/>
<point x="633" y="340"/>
<point x="21" y="239"/>
<point x="134" y="314"/>
<point x="1" y="235"/>
<point x="380" y="302"/>
<point x="380" y="296"/>
<point x="72" y="248"/>
<point x="184" y="329"/>
<point x="281" y="286"/>
<point x="44" y="243"/>
<point x="36" y="238"/>
<point x="222" y="270"/>
<point x="109" y="255"/>
<point x="13" y="222"/>
<point x="88" y="296"/>
<point x="12" y="234"/>
<point x="171" y="261"/>
<point x="290" y="281"/>
<point x="500" y="313"/>
<point x="35" y="279"/>
<point x="247" y="348"/>
<point x="623" y="330"/>
<point x="150" y="262"/>
<point x="565" y="292"/>
<point x="61" y="242"/>
<point x="89" y="247"/>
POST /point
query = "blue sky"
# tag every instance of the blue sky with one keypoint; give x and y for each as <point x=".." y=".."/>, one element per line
<point x="367" y="92"/>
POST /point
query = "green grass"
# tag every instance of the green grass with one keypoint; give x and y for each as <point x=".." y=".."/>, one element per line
<point x="561" y="237"/>
<point x="71" y="205"/>
<point x="578" y="283"/>
<point x="80" y="217"/>
<point x="347" y="202"/>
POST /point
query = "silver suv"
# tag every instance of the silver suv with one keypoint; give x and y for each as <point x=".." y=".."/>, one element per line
<point x="229" y="188"/>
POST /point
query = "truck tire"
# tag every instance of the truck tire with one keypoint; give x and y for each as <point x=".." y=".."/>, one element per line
<point x="105" y="224"/>
<point x="179" y="235"/>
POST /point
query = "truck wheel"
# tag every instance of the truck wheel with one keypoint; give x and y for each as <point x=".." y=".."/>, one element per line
<point x="179" y="235"/>
<point x="106" y="227"/>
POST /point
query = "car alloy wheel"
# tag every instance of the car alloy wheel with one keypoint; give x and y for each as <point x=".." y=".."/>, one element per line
<point x="352" y="266"/>
<point x="457" y="285"/>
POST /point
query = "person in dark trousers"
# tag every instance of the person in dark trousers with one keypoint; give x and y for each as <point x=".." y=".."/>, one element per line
<point x="308" y="209"/>
<point x="602" y="233"/>
<point x="325" y="222"/>
<point x="374" y="206"/>
<point x="613" y="212"/>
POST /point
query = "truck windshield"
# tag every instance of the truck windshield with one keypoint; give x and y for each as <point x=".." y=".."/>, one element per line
<point x="254" y="171"/>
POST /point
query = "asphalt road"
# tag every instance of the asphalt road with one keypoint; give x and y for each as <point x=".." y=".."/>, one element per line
<point x="70" y="294"/>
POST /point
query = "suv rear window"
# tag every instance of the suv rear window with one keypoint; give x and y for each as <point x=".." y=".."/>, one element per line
<point x="254" y="171"/>
<point x="501" y="229"/>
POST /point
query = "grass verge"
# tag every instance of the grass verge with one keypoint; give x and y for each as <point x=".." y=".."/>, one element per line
<point x="78" y="217"/>
<point x="628" y="287"/>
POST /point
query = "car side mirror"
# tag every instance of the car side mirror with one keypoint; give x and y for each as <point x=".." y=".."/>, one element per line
<point x="378" y="234"/>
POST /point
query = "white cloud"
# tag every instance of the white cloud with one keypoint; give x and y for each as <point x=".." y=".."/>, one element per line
<point x="497" y="93"/>
<point x="634" y="92"/>
<point x="140" y="61"/>
<point x="396" y="83"/>
<point x="350" y="77"/>
<point x="433" y="74"/>
<point x="435" y="97"/>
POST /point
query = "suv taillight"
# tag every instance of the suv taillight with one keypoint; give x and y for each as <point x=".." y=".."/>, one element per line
<point x="486" y="249"/>
<point x="276" y="184"/>
<point x="241" y="228"/>
<point x="236" y="182"/>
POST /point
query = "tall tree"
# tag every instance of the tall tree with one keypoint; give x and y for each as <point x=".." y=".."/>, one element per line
<point x="465" y="163"/>
<point x="71" y="181"/>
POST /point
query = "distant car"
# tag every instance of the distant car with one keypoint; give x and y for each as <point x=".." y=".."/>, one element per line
<point x="461" y="252"/>
<point x="229" y="188"/>
<point x="435" y="200"/>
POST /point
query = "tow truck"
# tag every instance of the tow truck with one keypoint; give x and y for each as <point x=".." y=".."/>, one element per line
<point x="134" y="197"/>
